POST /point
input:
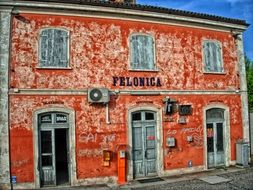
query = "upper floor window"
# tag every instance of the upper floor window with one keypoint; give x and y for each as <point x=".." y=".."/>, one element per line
<point x="212" y="54"/>
<point x="54" y="48"/>
<point x="142" y="52"/>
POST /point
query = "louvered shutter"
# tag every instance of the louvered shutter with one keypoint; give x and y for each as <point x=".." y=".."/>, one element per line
<point x="134" y="52"/>
<point x="218" y="62"/>
<point x="44" y="54"/>
<point x="212" y="57"/>
<point x="149" y="52"/>
<point x="142" y="52"/>
<point x="54" y="48"/>
<point x="60" y="48"/>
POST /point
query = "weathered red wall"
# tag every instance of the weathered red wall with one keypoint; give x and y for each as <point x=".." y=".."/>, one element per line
<point x="100" y="50"/>
<point x="93" y="135"/>
<point x="178" y="157"/>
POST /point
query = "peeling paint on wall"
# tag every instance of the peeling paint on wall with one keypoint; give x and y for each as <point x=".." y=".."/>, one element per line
<point x="99" y="50"/>
<point x="94" y="135"/>
<point x="96" y="42"/>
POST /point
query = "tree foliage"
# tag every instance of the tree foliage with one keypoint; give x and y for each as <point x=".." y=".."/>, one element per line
<point x="249" y="72"/>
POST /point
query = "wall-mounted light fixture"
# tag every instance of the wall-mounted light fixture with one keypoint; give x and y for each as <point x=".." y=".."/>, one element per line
<point x="169" y="105"/>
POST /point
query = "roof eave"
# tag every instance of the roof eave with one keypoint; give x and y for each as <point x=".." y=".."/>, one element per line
<point x="133" y="10"/>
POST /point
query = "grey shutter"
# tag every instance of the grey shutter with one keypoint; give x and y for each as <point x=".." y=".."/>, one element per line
<point x="54" y="48"/>
<point x="44" y="38"/>
<point x="149" y="52"/>
<point x="134" y="52"/>
<point x="208" y="56"/>
<point x="60" y="48"/>
<point x="142" y="52"/>
<point x="50" y="47"/>
<point x="218" y="58"/>
<point x="212" y="57"/>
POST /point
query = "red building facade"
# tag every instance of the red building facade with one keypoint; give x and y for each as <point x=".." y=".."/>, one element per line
<point x="88" y="80"/>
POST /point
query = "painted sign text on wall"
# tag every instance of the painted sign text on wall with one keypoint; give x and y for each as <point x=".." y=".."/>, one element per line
<point x="136" y="81"/>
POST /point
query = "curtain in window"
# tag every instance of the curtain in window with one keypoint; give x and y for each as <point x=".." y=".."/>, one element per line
<point x="212" y="57"/>
<point x="54" y="48"/>
<point x="142" y="52"/>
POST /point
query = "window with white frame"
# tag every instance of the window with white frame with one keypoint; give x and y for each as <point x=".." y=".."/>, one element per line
<point x="212" y="54"/>
<point x="53" y="48"/>
<point x="142" y="52"/>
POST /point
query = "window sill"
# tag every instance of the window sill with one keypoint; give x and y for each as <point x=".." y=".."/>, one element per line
<point x="54" y="68"/>
<point x="143" y="70"/>
<point x="214" y="73"/>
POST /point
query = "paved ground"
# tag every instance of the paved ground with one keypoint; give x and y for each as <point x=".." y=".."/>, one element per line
<point x="235" y="179"/>
<point x="238" y="181"/>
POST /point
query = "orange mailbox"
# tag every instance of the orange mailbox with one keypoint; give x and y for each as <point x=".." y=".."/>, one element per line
<point x="121" y="167"/>
<point x="106" y="157"/>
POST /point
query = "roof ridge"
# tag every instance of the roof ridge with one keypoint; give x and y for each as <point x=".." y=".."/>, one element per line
<point x="152" y="8"/>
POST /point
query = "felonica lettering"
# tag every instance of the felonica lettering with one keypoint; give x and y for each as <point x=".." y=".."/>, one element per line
<point x="136" y="81"/>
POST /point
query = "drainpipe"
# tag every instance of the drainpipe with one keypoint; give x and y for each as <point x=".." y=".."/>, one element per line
<point x="107" y="113"/>
<point x="9" y="73"/>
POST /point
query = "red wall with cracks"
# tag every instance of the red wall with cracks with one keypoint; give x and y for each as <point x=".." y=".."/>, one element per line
<point x="99" y="50"/>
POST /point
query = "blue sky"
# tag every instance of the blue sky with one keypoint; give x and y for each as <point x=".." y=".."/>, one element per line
<point x="240" y="9"/>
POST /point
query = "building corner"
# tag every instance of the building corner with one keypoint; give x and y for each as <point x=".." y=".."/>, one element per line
<point x="5" y="27"/>
<point x="243" y="87"/>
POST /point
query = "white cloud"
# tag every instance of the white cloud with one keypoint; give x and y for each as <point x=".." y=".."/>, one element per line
<point x="190" y="5"/>
<point x="238" y="1"/>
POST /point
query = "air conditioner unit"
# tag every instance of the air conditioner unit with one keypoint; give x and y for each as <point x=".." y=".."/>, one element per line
<point x="98" y="95"/>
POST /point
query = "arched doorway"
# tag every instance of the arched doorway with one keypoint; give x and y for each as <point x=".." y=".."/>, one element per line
<point x="215" y="134"/>
<point x="53" y="142"/>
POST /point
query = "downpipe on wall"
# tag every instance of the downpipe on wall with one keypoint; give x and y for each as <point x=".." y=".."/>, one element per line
<point x="107" y="116"/>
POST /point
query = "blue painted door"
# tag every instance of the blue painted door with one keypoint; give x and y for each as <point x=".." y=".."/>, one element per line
<point x="144" y="144"/>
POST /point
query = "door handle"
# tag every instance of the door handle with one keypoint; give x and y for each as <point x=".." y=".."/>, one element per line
<point x="145" y="154"/>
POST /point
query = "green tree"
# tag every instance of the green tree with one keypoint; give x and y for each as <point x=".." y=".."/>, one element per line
<point x="249" y="72"/>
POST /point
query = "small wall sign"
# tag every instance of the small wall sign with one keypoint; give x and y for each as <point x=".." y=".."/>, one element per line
<point x="13" y="179"/>
<point x="182" y="120"/>
<point x="185" y="110"/>
<point x="190" y="163"/>
<point x="150" y="138"/>
<point x="46" y="119"/>
<point x="209" y="132"/>
<point x="61" y="118"/>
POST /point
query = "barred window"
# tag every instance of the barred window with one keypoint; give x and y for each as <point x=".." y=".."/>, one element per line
<point x="54" y="48"/>
<point x="142" y="52"/>
<point x="212" y="57"/>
